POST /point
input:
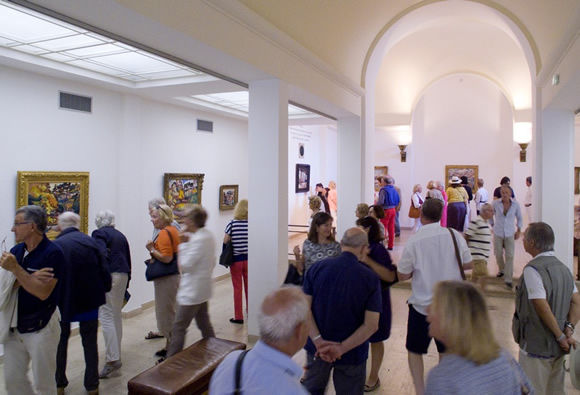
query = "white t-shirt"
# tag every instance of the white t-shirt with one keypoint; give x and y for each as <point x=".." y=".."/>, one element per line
<point x="429" y="254"/>
<point x="534" y="282"/>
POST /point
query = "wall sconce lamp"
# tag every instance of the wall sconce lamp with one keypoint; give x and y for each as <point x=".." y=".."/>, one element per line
<point x="523" y="147"/>
<point x="403" y="153"/>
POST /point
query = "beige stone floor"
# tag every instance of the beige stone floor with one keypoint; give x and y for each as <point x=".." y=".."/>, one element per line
<point x="395" y="377"/>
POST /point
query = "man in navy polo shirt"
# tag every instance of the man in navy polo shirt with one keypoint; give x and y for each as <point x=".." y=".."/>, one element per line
<point x="346" y="302"/>
<point x="35" y="337"/>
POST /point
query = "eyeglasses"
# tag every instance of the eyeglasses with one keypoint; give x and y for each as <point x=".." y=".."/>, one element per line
<point x="21" y="223"/>
<point x="3" y="245"/>
<point x="160" y="208"/>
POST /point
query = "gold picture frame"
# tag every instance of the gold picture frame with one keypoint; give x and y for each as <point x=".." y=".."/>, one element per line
<point x="380" y="171"/>
<point x="180" y="189"/>
<point x="577" y="181"/>
<point x="470" y="171"/>
<point x="228" y="197"/>
<point x="56" y="192"/>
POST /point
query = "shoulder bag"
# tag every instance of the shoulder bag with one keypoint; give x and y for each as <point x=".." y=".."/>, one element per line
<point x="227" y="255"/>
<point x="157" y="269"/>
<point x="238" y="378"/>
<point x="414" y="212"/>
<point x="457" y="254"/>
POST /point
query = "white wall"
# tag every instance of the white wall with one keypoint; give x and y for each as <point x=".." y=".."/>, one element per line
<point x="461" y="119"/>
<point x="126" y="144"/>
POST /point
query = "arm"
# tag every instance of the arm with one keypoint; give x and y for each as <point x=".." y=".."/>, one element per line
<point x="299" y="259"/>
<point x="383" y="273"/>
<point x="415" y="200"/>
<point x="403" y="276"/>
<point x="226" y="238"/>
<point x="101" y="242"/>
<point x="315" y="335"/>
<point x="382" y="197"/>
<point x="468" y="265"/>
<point x="165" y="252"/>
<point x="32" y="284"/>
<point x="545" y="313"/>
<point x="363" y="332"/>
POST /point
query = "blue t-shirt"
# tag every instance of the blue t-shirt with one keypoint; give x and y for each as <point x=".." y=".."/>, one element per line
<point x="342" y="290"/>
<point x="33" y="313"/>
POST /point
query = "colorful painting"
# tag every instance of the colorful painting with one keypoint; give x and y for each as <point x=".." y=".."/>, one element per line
<point x="302" y="178"/>
<point x="180" y="189"/>
<point x="228" y="197"/>
<point x="380" y="171"/>
<point x="577" y="181"/>
<point x="56" y="192"/>
<point x="470" y="171"/>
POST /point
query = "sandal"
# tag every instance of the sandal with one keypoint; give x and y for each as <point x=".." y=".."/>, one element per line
<point x="370" y="388"/>
<point x="153" y="335"/>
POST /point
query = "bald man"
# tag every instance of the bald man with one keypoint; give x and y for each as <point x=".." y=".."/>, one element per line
<point x="346" y="302"/>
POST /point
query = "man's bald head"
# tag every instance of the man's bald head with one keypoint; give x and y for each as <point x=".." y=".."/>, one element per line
<point x="281" y="311"/>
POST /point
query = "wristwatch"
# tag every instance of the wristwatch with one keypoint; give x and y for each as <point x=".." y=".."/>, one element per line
<point x="569" y="325"/>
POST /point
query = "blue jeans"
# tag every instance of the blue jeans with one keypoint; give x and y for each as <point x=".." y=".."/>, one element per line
<point x="397" y="225"/>
<point x="347" y="379"/>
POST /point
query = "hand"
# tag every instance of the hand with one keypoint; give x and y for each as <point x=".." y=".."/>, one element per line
<point x="8" y="262"/>
<point x="45" y="274"/>
<point x="330" y="352"/>
<point x="517" y="235"/>
<point x="566" y="343"/>
<point x="150" y="245"/>
<point x="184" y="237"/>
<point x="296" y="251"/>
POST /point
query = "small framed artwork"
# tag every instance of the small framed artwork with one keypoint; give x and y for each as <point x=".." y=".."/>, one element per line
<point x="180" y="189"/>
<point x="301" y="150"/>
<point x="228" y="197"/>
<point x="470" y="171"/>
<point x="56" y="192"/>
<point x="302" y="178"/>
<point x="577" y="181"/>
<point x="380" y="171"/>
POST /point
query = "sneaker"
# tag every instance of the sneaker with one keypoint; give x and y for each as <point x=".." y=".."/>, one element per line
<point x="109" y="368"/>
<point x="509" y="286"/>
<point x="60" y="391"/>
<point x="161" y="353"/>
<point x="234" y="321"/>
<point x="499" y="274"/>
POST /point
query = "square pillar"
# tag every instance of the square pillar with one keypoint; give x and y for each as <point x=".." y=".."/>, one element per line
<point x="350" y="178"/>
<point x="268" y="193"/>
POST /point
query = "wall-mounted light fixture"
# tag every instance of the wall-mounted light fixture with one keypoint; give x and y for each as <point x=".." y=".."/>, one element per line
<point x="403" y="153"/>
<point x="523" y="147"/>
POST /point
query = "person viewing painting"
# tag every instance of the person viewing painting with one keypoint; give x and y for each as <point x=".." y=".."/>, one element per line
<point x="417" y="202"/>
<point x="319" y="245"/>
<point x="237" y="231"/>
<point x="315" y="205"/>
<point x="333" y="200"/>
<point x="457" y="204"/>
<point x="362" y="210"/>
<point x="441" y="187"/>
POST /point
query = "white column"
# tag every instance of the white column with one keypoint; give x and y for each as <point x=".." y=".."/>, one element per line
<point x="268" y="193"/>
<point x="554" y="188"/>
<point x="349" y="172"/>
<point x="368" y="145"/>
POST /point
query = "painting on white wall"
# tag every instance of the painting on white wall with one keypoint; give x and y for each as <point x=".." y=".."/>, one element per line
<point x="380" y="171"/>
<point x="469" y="171"/>
<point x="180" y="189"/>
<point x="302" y="178"/>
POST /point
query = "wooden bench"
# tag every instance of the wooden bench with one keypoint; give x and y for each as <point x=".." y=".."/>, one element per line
<point x="187" y="372"/>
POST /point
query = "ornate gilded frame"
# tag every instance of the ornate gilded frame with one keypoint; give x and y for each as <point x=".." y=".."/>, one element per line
<point x="56" y="192"/>
<point x="470" y="171"/>
<point x="187" y="190"/>
<point x="380" y="171"/>
<point x="228" y="197"/>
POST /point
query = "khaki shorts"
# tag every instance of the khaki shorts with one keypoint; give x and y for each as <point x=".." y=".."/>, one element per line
<point x="479" y="269"/>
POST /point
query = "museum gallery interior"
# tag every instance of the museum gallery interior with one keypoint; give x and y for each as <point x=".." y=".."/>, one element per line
<point x="225" y="100"/>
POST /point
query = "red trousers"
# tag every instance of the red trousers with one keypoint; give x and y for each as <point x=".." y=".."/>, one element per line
<point x="389" y="224"/>
<point x="239" y="271"/>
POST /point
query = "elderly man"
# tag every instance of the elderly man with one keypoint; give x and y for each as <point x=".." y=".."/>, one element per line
<point x="34" y="338"/>
<point x="429" y="256"/>
<point x="389" y="200"/>
<point x="346" y="302"/>
<point x="268" y="368"/>
<point x="85" y="281"/>
<point x="506" y="223"/>
<point x="547" y="309"/>
<point x="478" y="236"/>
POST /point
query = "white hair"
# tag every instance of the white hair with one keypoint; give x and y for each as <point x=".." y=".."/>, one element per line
<point x="105" y="218"/>
<point x="290" y="309"/>
<point x="153" y="203"/>
<point x="68" y="219"/>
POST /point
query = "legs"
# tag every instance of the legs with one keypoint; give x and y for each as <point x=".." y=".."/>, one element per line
<point x="349" y="379"/>
<point x="546" y="375"/>
<point x="185" y="314"/>
<point x="203" y="322"/>
<point x="88" y="330"/>
<point x="111" y="319"/>
<point x="509" y="245"/>
<point x="61" y="355"/>
<point x="417" y="372"/>
<point x="377" y="353"/>
<point x="317" y="375"/>
<point x="498" y="252"/>
<point x="390" y="215"/>
<point x="16" y="360"/>
<point x="397" y="224"/>
<point x="165" y="301"/>
<point x="239" y="272"/>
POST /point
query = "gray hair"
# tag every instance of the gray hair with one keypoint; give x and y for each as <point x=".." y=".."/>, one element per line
<point x="105" y="218"/>
<point x="541" y="235"/>
<point x="281" y="311"/>
<point x="36" y="215"/>
<point x="158" y="201"/>
<point x="389" y="180"/>
<point x="353" y="238"/>
<point x="487" y="206"/>
<point x="68" y="219"/>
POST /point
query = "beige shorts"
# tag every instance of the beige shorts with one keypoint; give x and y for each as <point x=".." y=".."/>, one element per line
<point x="479" y="269"/>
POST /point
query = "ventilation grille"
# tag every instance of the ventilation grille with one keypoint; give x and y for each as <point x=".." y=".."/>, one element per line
<point x="204" y="126"/>
<point x="69" y="101"/>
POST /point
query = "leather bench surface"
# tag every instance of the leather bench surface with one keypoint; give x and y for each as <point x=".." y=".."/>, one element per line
<point x="187" y="372"/>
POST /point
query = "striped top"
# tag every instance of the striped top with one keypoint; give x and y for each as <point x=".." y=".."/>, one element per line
<point x="238" y="231"/>
<point x="479" y="238"/>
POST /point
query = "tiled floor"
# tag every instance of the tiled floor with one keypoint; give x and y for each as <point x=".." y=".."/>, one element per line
<point x="395" y="377"/>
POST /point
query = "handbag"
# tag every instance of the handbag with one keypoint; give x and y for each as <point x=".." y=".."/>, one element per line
<point x="457" y="254"/>
<point x="157" y="269"/>
<point x="293" y="276"/>
<point x="227" y="255"/>
<point x="414" y="212"/>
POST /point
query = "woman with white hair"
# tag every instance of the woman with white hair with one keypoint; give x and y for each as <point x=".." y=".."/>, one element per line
<point x="473" y="362"/>
<point x="417" y="201"/>
<point x="115" y="247"/>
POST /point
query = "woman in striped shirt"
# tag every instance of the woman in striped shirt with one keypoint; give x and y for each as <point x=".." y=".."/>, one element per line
<point x="237" y="232"/>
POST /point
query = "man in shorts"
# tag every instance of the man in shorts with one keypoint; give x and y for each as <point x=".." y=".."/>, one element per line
<point x="478" y="236"/>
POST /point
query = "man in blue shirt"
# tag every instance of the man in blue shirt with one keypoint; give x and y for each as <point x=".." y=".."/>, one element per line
<point x="35" y="337"/>
<point x="389" y="200"/>
<point x="268" y="368"/>
<point x="346" y="303"/>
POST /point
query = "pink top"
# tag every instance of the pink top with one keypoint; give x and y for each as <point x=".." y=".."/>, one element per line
<point x="332" y="200"/>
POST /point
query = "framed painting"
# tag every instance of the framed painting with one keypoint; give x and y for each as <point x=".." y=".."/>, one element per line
<point x="380" y="171"/>
<point x="577" y="181"/>
<point x="180" y="189"/>
<point x="228" y="197"/>
<point x="302" y="178"/>
<point x="56" y="192"/>
<point x="470" y="171"/>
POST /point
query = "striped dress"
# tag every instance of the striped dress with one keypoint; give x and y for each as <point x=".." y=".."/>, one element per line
<point x="238" y="231"/>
